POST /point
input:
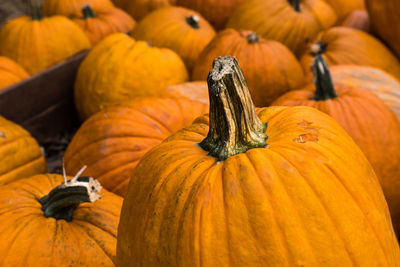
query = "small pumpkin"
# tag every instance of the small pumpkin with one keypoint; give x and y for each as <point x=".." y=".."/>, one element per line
<point x="196" y="90"/>
<point x="10" y="72"/>
<point x="271" y="69"/>
<point x="345" y="7"/>
<point x="119" y="69"/>
<point x="43" y="222"/>
<point x="112" y="141"/>
<point x="98" y="25"/>
<point x="305" y="196"/>
<point x="72" y="7"/>
<point x="292" y="22"/>
<point x="44" y="42"/>
<point x="138" y="9"/>
<point x="20" y="154"/>
<point x="358" y="19"/>
<point x="182" y="30"/>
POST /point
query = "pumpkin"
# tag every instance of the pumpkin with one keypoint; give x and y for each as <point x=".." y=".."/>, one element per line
<point x="306" y="196"/>
<point x="43" y="222"/>
<point x="72" y="7"/>
<point x="98" y="25"/>
<point x="112" y="141"/>
<point x="195" y="90"/>
<point x="294" y="23"/>
<point x="385" y="20"/>
<point x="10" y="72"/>
<point x="271" y="69"/>
<point x="345" y="7"/>
<point x="217" y="12"/>
<point x="119" y="69"/>
<point x="358" y="19"/>
<point x="44" y="41"/>
<point x="367" y="120"/>
<point x="343" y="46"/>
<point x="140" y="8"/>
<point x="182" y="30"/>
<point x="20" y="154"/>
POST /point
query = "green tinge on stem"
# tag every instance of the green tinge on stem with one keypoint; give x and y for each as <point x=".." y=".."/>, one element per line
<point x="35" y="9"/>
<point x="88" y="12"/>
<point x="322" y="79"/>
<point x="295" y="4"/>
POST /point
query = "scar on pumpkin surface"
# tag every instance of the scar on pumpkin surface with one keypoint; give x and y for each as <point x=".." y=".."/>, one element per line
<point x="2" y="134"/>
<point x="311" y="136"/>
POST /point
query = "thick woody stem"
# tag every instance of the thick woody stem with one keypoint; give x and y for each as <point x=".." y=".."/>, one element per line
<point x="193" y="21"/>
<point x="88" y="12"/>
<point x="35" y="9"/>
<point x="252" y="38"/>
<point x="295" y="4"/>
<point x="324" y="88"/>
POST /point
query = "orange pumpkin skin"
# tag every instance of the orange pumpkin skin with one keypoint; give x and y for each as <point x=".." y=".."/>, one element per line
<point x="88" y="240"/>
<point x="98" y="25"/>
<point x="20" y="154"/>
<point x="113" y="141"/>
<point x="10" y="72"/>
<point x="196" y="91"/>
<point x="52" y="44"/>
<point x="278" y="20"/>
<point x="73" y="7"/>
<point x="119" y="69"/>
<point x="217" y="12"/>
<point x="140" y="8"/>
<point x="182" y="30"/>
<point x="270" y="68"/>
<point x="350" y="46"/>
<point x="358" y="19"/>
<point x="345" y="7"/>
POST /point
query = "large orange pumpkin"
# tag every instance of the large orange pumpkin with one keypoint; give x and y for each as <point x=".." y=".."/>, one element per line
<point x="294" y="23"/>
<point x="113" y="141"/>
<point x="73" y="7"/>
<point x="140" y="8"/>
<point x="196" y="90"/>
<point x="306" y="196"/>
<point x="358" y="19"/>
<point x="20" y="154"/>
<point x="119" y="69"/>
<point x="37" y="43"/>
<point x="345" y="7"/>
<point x="44" y="224"/>
<point x="182" y="30"/>
<point x="270" y="68"/>
<point x="343" y="45"/>
<point x="372" y="125"/>
<point x="10" y="72"/>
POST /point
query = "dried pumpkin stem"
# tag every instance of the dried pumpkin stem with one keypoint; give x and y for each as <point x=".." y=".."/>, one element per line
<point x="295" y="4"/>
<point x="88" y="12"/>
<point x="324" y="88"/>
<point x="234" y="124"/>
<point x="252" y="38"/>
<point x="35" y="9"/>
<point x="193" y="21"/>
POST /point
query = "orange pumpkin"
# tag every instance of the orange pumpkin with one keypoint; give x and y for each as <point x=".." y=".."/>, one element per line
<point x="140" y="8"/>
<point x="98" y="25"/>
<point x="10" y="72"/>
<point x="217" y="12"/>
<point x="294" y="23"/>
<point x="271" y="69"/>
<point x="372" y="125"/>
<point x="119" y="69"/>
<point x="196" y="91"/>
<point x="112" y="141"/>
<point x="44" y="41"/>
<point x="343" y="45"/>
<point x="44" y="224"/>
<point x="306" y="196"/>
<point x="20" y="154"/>
<point x="358" y="19"/>
<point x="73" y="7"/>
<point x="182" y="30"/>
<point x="345" y="7"/>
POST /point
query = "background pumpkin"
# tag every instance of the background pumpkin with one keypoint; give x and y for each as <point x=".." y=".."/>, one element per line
<point x="196" y="90"/>
<point x="10" y="72"/>
<point x="345" y="7"/>
<point x="358" y="19"/>
<point x="314" y="202"/>
<point x="20" y="154"/>
<point x="30" y="238"/>
<point x="119" y="69"/>
<point x="182" y="30"/>
<point x="140" y="8"/>
<point x="293" y="23"/>
<point x="73" y="7"/>
<point x="271" y="69"/>
<point x="112" y="141"/>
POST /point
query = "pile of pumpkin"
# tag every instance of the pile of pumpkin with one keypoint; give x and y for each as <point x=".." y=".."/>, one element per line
<point x="241" y="186"/>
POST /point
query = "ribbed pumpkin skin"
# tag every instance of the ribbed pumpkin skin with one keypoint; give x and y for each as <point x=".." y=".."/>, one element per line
<point x="119" y="69"/>
<point x="197" y="91"/>
<point x="385" y="20"/>
<point x="112" y="142"/>
<point x="344" y="7"/>
<point x="350" y="46"/>
<point x="277" y="20"/>
<point x="105" y="23"/>
<point x="10" y="72"/>
<point x="269" y="67"/>
<point x="167" y="27"/>
<point x="217" y="12"/>
<point x="73" y="7"/>
<point x="20" y="154"/>
<point x="28" y="238"/>
<point x="37" y="45"/>
<point x="290" y="204"/>
<point x="140" y="8"/>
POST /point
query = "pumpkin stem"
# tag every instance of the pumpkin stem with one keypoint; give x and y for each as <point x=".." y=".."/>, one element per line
<point x="88" y="12"/>
<point x="252" y="38"/>
<point x="295" y="4"/>
<point x="322" y="80"/>
<point x="36" y="10"/>
<point x="193" y="21"/>
<point x="318" y="48"/>
<point x="62" y="200"/>
<point x="234" y="124"/>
